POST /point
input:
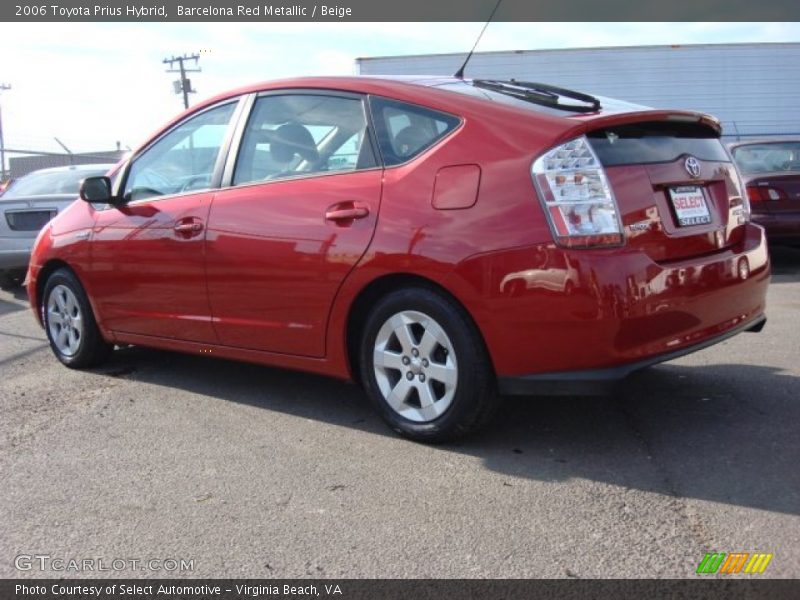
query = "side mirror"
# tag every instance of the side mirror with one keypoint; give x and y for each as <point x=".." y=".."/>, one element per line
<point x="97" y="190"/>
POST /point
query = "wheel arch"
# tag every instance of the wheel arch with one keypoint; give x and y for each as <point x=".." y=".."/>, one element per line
<point x="47" y="269"/>
<point x="377" y="289"/>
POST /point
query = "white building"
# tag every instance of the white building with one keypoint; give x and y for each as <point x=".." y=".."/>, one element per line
<point x="754" y="89"/>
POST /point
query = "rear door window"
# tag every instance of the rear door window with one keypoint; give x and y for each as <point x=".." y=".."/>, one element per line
<point x="294" y="135"/>
<point x="406" y="130"/>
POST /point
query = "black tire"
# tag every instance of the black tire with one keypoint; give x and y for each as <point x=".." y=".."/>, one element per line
<point x="474" y="400"/>
<point x="90" y="348"/>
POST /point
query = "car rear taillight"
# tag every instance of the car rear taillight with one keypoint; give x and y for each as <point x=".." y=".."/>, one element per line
<point x="754" y="194"/>
<point x="758" y="193"/>
<point x="577" y="197"/>
<point x="742" y="214"/>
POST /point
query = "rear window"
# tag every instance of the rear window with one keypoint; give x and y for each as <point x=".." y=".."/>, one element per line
<point x="54" y="182"/>
<point x="768" y="158"/>
<point x="656" y="142"/>
<point x="406" y="130"/>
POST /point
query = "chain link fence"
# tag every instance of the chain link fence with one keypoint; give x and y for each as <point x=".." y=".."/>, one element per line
<point x="21" y="162"/>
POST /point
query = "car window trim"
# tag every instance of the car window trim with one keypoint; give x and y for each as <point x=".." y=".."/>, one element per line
<point x="298" y="177"/>
<point x="233" y="153"/>
<point x="219" y="164"/>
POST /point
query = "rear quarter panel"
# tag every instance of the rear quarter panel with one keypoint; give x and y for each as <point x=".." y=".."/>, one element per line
<point x="415" y="238"/>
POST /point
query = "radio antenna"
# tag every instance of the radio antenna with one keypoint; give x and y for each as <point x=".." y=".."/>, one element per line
<point x="460" y="73"/>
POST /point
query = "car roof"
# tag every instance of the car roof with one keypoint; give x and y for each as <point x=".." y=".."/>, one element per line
<point x="428" y="90"/>
<point x="409" y="87"/>
<point x="401" y="87"/>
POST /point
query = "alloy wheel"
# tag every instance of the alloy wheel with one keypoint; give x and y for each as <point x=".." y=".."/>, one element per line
<point x="415" y="366"/>
<point x="65" y="320"/>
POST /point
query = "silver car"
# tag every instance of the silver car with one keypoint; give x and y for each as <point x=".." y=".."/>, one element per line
<point x="27" y="205"/>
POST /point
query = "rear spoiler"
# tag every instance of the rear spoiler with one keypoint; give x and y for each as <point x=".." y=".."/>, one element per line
<point x="681" y="116"/>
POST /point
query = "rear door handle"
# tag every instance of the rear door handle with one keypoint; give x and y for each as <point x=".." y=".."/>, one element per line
<point x="346" y="211"/>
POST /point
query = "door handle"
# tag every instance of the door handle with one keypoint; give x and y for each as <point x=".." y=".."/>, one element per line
<point x="346" y="211"/>
<point x="188" y="227"/>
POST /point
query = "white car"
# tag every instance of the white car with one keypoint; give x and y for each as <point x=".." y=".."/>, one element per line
<point x="27" y="205"/>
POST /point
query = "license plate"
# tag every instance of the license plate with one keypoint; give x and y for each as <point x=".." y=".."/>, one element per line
<point x="30" y="220"/>
<point x="690" y="205"/>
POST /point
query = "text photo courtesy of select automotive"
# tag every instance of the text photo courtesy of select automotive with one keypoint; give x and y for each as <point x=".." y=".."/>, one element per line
<point x="393" y="311"/>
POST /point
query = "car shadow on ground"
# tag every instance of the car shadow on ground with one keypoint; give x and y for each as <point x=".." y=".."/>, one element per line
<point x="722" y="432"/>
<point x="12" y="300"/>
<point x="785" y="263"/>
<point x="711" y="433"/>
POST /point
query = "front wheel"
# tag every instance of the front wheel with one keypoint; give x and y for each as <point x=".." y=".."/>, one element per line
<point x="425" y="367"/>
<point x="69" y="322"/>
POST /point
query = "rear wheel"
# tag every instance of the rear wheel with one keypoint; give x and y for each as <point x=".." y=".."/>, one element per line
<point x="70" y="324"/>
<point x="425" y="368"/>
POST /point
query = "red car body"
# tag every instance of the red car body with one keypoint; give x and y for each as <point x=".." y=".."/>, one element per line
<point x="257" y="273"/>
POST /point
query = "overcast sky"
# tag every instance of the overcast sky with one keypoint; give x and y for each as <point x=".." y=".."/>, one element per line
<point x="92" y="84"/>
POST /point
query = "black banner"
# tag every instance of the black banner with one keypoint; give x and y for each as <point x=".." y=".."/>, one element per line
<point x="413" y="589"/>
<point x="393" y="10"/>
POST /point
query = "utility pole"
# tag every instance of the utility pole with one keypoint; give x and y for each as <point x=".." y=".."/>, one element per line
<point x="3" y="87"/>
<point x="183" y="85"/>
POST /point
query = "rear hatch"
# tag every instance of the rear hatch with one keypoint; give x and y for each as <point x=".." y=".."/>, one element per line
<point x="676" y="191"/>
<point x="675" y="186"/>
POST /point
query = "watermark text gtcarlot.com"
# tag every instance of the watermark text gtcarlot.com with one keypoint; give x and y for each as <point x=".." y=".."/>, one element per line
<point x="46" y="562"/>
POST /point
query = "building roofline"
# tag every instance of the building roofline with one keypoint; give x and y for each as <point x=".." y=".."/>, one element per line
<point x="582" y="49"/>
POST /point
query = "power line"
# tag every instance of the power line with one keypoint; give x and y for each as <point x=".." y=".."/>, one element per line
<point x="183" y="85"/>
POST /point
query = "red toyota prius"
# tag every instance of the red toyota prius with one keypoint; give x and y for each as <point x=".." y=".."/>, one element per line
<point x="440" y="240"/>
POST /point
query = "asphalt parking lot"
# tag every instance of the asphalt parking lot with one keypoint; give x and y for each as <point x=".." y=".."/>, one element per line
<point x="258" y="472"/>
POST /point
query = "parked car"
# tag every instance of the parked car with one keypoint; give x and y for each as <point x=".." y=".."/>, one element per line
<point x="771" y="172"/>
<point x="367" y="228"/>
<point x="27" y="204"/>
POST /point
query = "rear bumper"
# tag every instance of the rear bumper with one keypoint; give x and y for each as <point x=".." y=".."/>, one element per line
<point x="599" y="381"/>
<point x="780" y="227"/>
<point x="15" y="253"/>
<point x="617" y="310"/>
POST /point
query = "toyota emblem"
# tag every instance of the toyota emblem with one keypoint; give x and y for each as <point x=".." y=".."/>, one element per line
<point x="692" y="166"/>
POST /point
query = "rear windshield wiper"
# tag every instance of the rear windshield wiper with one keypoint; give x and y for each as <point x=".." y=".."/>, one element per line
<point x="541" y="93"/>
